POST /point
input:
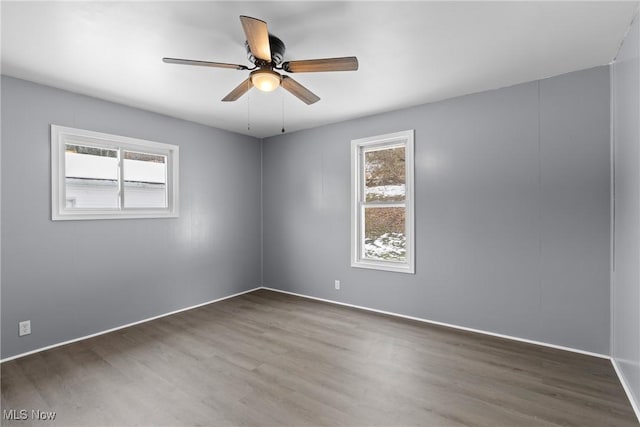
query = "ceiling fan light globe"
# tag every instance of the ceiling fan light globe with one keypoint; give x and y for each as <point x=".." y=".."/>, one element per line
<point x="265" y="80"/>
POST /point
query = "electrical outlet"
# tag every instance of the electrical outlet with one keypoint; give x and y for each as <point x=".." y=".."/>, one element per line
<point x="25" y="327"/>
<point x="337" y="283"/>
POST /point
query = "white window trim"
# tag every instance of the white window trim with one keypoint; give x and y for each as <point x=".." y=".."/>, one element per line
<point x="357" y="145"/>
<point x="61" y="135"/>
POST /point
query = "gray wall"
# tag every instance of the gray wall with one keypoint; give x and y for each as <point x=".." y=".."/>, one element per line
<point x="512" y="212"/>
<point x="626" y="274"/>
<point x="74" y="278"/>
<point x="512" y="217"/>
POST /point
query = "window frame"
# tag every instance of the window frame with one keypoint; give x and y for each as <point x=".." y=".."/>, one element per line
<point x="358" y="148"/>
<point x="61" y="135"/>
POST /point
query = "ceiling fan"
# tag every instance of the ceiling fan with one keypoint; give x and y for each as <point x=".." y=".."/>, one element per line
<point x="266" y="52"/>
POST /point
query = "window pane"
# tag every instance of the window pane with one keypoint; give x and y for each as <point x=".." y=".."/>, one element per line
<point x="145" y="180"/>
<point x="91" y="177"/>
<point x="384" y="175"/>
<point x="384" y="234"/>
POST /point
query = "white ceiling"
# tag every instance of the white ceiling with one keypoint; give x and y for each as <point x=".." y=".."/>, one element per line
<point x="410" y="53"/>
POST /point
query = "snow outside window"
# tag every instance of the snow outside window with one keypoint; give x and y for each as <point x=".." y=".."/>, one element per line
<point x="382" y="202"/>
<point x="99" y="176"/>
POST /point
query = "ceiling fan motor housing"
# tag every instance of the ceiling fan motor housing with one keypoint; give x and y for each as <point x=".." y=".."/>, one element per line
<point x="277" y="51"/>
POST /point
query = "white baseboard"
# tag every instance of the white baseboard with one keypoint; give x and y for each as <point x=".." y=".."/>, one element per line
<point x="627" y="389"/>
<point x="449" y="325"/>
<point x="17" y="356"/>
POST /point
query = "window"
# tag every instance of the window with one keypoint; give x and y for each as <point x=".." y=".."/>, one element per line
<point x="98" y="176"/>
<point x="382" y="202"/>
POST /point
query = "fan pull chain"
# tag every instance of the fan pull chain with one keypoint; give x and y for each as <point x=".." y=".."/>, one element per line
<point x="248" y="107"/>
<point x="282" y="110"/>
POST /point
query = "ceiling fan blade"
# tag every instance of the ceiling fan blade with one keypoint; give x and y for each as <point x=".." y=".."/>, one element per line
<point x="301" y="92"/>
<point x="204" y="63"/>
<point x="239" y="90"/>
<point x="347" y="63"/>
<point x="257" y="37"/>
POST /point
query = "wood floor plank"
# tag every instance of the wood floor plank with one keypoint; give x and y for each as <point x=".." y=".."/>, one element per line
<point x="267" y="358"/>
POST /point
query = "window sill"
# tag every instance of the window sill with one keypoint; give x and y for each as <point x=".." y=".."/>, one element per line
<point x="87" y="215"/>
<point x="385" y="266"/>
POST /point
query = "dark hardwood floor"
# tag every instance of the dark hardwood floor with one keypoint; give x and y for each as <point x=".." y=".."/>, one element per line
<point x="267" y="358"/>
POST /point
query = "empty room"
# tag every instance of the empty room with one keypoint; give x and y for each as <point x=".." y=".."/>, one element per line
<point x="304" y="213"/>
